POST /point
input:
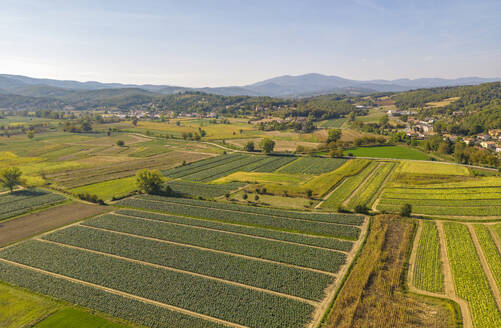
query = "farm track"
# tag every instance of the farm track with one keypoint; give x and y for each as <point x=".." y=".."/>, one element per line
<point x="127" y="295"/>
<point x="495" y="237"/>
<point x="163" y="267"/>
<point x="249" y="213"/>
<point x="233" y="233"/>
<point x="485" y="266"/>
<point x="333" y="289"/>
<point x="213" y="250"/>
<point x="347" y="200"/>
<point x="449" y="281"/>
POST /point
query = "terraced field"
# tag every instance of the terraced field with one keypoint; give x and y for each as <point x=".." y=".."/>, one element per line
<point x="24" y="201"/>
<point x="183" y="272"/>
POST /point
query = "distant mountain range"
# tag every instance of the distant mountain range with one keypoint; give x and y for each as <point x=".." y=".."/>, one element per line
<point x="286" y="86"/>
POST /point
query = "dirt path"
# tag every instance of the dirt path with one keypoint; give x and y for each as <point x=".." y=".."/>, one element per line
<point x="449" y="282"/>
<point x="330" y="194"/>
<point x="214" y="250"/>
<point x="332" y="289"/>
<point x="234" y="233"/>
<point x="45" y="220"/>
<point x="127" y="295"/>
<point x="485" y="265"/>
<point x="163" y="267"/>
<point x="362" y="184"/>
<point x="495" y="237"/>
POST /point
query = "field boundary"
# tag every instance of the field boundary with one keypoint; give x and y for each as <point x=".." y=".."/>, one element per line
<point x="361" y="185"/>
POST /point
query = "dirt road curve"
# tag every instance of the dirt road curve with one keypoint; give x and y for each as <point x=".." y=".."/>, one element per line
<point x="54" y="217"/>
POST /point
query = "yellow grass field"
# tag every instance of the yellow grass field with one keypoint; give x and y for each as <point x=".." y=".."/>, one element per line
<point x="259" y="177"/>
<point x="414" y="167"/>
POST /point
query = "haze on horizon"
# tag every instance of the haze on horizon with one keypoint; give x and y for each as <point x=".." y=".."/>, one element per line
<point x="221" y="43"/>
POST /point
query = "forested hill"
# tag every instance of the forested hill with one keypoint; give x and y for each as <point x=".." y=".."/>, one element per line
<point x="476" y="109"/>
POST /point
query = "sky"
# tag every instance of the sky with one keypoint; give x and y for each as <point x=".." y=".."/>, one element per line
<point x="233" y="42"/>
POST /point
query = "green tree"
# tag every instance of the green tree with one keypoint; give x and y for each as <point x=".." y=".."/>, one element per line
<point x="149" y="181"/>
<point x="267" y="145"/>
<point x="334" y="135"/>
<point x="10" y="177"/>
<point x="86" y="126"/>
<point x="384" y="120"/>
<point x="406" y="210"/>
<point x="120" y="143"/>
<point x="134" y="121"/>
<point x="249" y="146"/>
<point x="30" y="134"/>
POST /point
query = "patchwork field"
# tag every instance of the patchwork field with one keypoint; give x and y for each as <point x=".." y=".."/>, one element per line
<point x="312" y="165"/>
<point x="26" y="200"/>
<point x="197" y="266"/>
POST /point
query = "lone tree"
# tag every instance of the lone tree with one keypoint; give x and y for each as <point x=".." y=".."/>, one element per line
<point x="10" y="177"/>
<point x="149" y="181"/>
<point x="334" y="135"/>
<point x="30" y="134"/>
<point x="267" y="145"/>
<point x="134" y="121"/>
<point x="249" y="146"/>
<point x="406" y="210"/>
<point x="120" y="143"/>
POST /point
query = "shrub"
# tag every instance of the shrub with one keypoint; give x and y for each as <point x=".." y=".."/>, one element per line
<point x="361" y="209"/>
<point x="406" y="210"/>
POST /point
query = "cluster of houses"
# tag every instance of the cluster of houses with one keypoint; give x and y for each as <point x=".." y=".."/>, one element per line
<point x="419" y="129"/>
<point x="490" y="141"/>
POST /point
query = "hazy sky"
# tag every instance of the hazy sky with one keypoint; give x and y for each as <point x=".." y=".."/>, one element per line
<point x="232" y="42"/>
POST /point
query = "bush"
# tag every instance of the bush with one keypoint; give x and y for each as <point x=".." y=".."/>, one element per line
<point x="341" y="209"/>
<point x="361" y="209"/>
<point x="120" y="143"/>
<point x="406" y="210"/>
<point x="244" y="196"/>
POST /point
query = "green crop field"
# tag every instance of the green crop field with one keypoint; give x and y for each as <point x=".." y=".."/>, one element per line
<point x="312" y="165"/>
<point x="73" y="318"/>
<point x="492" y="254"/>
<point x="397" y="152"/>
<point x="106" y="190"/>
<point x="23" y="201"/>
<point x="469" y="278"/>
<point x="252" y="219"/>
<point x="192" y="189"/>
<point x="348" y="187"/>
<point x="335" y="123"/>
<point x="428" y="267"/>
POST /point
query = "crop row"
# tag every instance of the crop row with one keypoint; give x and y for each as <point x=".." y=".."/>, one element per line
<point x="451" y="210"/>
<point x="370" y="189"/>
<point x="490" y="251"/>
<point x="245" y="245"/>
<point x="181" y="171"/>
<point x="213" y="173"/>
<point x="258" y="220"/>
<point x="117" y="306"/>
<point x="428" y="267"/>
<point x="309" y="216"/>
<point x="441" y="202"/>
<point x="209" y="297"/>
<point x="313" y="165"/>
<point x="348" y="187"/>
<point x="444" y="196"/>
<point x="202" y="189"/>
<point x="26" y="203"/>
<point x="271" y="276"/>
<point x="469" y="278"/>
<point x="334" y="244"/>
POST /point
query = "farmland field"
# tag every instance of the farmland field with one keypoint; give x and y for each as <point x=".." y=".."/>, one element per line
<point x="334" y="123"/>
<point x="23" y="201"/>
<point x="397" y="152"/>
<point x="312" y="165"/>
<point x="428" y="268"/>
<point x="280" y="277"/>
<point x="469" y="278"/>
<point x="108" y="189"/>
<point x="202" y="189"/>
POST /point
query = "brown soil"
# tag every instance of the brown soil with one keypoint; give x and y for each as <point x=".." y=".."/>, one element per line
<point x="45" y="220"/>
